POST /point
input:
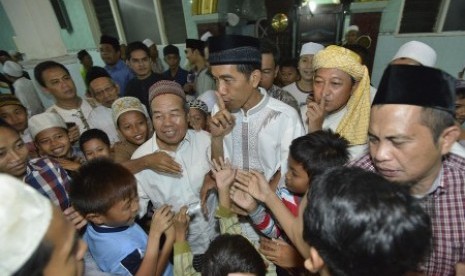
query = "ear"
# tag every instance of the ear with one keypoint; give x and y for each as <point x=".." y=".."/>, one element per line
<point x="95" y="218"/>
<point x="314" y="263"/>
<point x="276" y="71"/>
<point x="255" y="77"/>
<point x="448" y="137"/>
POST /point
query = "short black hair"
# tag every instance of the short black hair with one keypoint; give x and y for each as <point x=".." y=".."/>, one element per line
<point x="82" y="54"/>
<point x="232" y="253"/>
<point x="320" y="150"/>
<point x="267" y="47"/>
<point x="93" y="133"/>
<point x="361" y="51"/>
<point x="100" y="184"/>
<point x="6" y="125"/>
<point x="136" y="45"/>
<point x="362" y="224"/>
<point x="41" y="67"/>
<point x="247" y="69"/>
<point x="436" y="120"/>
<point x="290" y="62"/>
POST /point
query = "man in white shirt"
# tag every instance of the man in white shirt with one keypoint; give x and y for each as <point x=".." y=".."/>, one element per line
<point x="188" y="148"/>
<point x="55" y="79"/>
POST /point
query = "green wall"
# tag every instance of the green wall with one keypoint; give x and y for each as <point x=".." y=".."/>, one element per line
<point x="7" y="32"/>
<point x="81" y="36"/>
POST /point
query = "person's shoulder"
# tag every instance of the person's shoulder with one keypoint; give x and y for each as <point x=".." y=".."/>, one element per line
<point x="200" y="136"/>
<point x="289" y="87"/>
<point x="455" y="162"/>
<point x="282" y="107"/>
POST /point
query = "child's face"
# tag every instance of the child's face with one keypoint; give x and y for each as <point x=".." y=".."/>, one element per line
<point x="54" y="142"/>
<point x="122" y="213"/>
<point x="288" y="75"/>
<point x="13" y="153"/>
<point x="95" y="148"/>
<point x="133" y="126"/>
<point x="15" y="116"/>
<point x="296" y="177"/>
<point x="197" y="119"/>
<point x="460" y="110"/>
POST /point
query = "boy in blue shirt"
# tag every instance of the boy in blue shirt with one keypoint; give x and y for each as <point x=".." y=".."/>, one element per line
<point x="106" y="194"/>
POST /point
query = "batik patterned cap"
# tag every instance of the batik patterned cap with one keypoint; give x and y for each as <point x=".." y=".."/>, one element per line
<point x="125" y="104"/>
<point x="25" y="216"/>
<point x="198" y="104"/>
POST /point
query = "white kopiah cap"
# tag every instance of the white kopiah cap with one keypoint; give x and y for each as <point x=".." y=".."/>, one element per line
<point x="205" y="36"/>
<point x="311" y="48"/>
<point x="13" y="69"/>
<point x="43" y="121"/>
<point x="353" y="28"/>
<point x="148" y="42"/>
<point x="25" y="216"/>
<point x="417" y="51"/>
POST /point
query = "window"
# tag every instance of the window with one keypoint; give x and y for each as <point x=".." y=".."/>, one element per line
<point x="432" y="16"/>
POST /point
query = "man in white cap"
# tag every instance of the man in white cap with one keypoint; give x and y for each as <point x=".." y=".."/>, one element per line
<point x="303" y="88"/>
<point x="352" y="35"/>
<point x="24" y="88"/>
<point x="157" y="65"/>
<point x="35" y="236"/>
<point x="415" y="53"/>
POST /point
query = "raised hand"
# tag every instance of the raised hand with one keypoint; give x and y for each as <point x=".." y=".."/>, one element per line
<point x="253" y="183"/>
<point x="280" y="253"/>
<point x="161" y="220"/>
<point x="223" y="173"/>
<point x="181" y="224"/>
<point x="316" y="114"/>
<point x="243" y="200"/>
<point x="75" y="218"/>
<point x="73" y="133"/>
<point x="223" y="121"/>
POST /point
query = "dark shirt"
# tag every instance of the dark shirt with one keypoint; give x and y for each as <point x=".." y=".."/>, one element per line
<point x="180" y="77"/>
<point x="140" y="88"/>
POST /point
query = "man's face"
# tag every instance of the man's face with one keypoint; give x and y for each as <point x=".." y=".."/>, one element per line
<point x="351" y="37"/>
<point x="305" y="67"/>
<point x="54" y="142"/>
<point x="108" y="54"/>
<point x="401" y="147"/>
<point x="234" y="87"/>
<point x="15" y="116"/>
<point x="335" y="86"/>
<point x="459" y="110"/>
<point x="87" y="62"/>
<point x="172" y="60"/>
<point x="153" y="52"/>
<point x="59" y="83"/>
<point x="140" y="63"/>
<point x="104" y="90"/>
<point x="13" y="153"/>
<point x="269" y="71"/>
<point x="169" y="120"/>
<point x="190" y="55"/>
<point x="68" y="248"/>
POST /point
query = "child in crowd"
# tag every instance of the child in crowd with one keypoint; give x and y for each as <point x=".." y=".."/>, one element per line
<point x="95" y="143"/>
<point x="358" y="223"/>
<point x="198" y="115"/>
<point x="230" y="252"/>
<point x="309" y="155"/>
<point x="50" y="135"/>
<point x="106" y="194"/>
<point x="133" y="125"/>
<point x="15" y="114"/>
<point x="288" y="72"/>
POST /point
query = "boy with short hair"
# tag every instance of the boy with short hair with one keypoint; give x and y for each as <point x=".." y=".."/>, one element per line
<point x="94" y="143"/>
<point x="106" y="194"/>
<point x="50" y="134"/>
<point x="358" y="223"/>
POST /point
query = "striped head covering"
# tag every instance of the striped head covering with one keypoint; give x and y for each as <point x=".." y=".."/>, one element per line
<point x="354" y="124"/>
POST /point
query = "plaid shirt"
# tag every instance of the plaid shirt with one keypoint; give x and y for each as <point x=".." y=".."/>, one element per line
<point x="446" y="207"/>
<point x="50" y="179"/>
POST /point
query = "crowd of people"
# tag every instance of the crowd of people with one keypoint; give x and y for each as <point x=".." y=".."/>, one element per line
<point x="245" y="164"/>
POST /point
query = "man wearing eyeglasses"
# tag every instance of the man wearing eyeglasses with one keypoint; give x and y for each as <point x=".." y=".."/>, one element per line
<point x="104" y="91"/>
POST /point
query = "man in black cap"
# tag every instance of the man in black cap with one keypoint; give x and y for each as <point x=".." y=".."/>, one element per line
<point x="411" y="133"/>
<point x="202" y="80"/>
<point x="110" y="51"/>
<point x="174" y="72"/>
<point x="248" y="127"/>
<point x="105" y="91"/>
